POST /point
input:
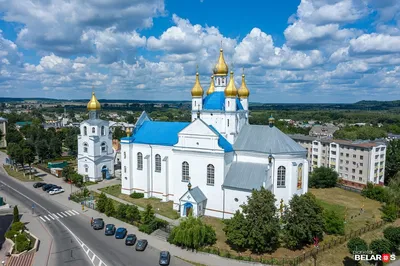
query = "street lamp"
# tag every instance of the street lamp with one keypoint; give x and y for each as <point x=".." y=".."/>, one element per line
<point x="15" y="239"/>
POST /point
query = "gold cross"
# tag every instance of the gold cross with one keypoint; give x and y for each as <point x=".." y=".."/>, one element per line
<point x="197" y="68"/>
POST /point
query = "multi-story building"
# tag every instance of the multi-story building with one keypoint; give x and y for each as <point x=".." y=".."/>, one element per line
<point x="357" y="162"/>
<point x="323" y="131"/>
<point x="3" y="132"/>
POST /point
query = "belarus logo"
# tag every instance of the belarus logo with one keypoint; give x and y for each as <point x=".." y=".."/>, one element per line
<point x="371" y="257"/>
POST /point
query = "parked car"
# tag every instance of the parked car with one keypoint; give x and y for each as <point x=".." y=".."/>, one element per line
<point x="141" y="245"/>
<point x="98" y="224"/>
<point x="165" y="258"/>
<point x="121" y="233"/>
<point x="39" y="184"/>
<point x="130" y="240"/>
<point x="56" y="191"/>
<point x="55" y="187"/>
<point x="47" y="187"/>
<point x="110" y="230"/>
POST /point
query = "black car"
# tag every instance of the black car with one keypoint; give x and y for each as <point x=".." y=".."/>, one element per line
<point x="141" y="245"/>
<point x="98" y="224"/>
<point x="110" y="230"/>
<point x="130" y="240"/>
<point x="165" y="258"/>
<point x="47" y="187"/>
<point x="38" y="184"/>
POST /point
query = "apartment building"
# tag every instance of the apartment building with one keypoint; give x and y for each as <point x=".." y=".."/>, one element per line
<point x="3" y="132"/>
<point x="357" y="162"/>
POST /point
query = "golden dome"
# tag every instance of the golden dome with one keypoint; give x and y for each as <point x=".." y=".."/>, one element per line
<point x="128" y="132"/>
<point x="211" y="89"/>
<point x="230" y="90"/>
<point x="93" y="104"/>
<point x="197" y="90"/>
<point x="243" y="91"/>
<point x="221" y="68"/>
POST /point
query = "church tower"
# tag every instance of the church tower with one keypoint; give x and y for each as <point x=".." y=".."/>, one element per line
<point x="230" y="109"/>
<point x="220" y="72"/>
<point x="197" y="97"/>
<point x="95" y="152"/>
<point x="244" y="94"/>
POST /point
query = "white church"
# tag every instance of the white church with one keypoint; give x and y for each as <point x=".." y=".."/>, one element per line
<point x="95" y="151"/>
<point x="210" y="165"/>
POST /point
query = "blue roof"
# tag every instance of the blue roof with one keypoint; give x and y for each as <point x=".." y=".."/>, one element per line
<point x="216" y="101"/>
<point x="158" y="133"/>
<point x="222" y="142"/>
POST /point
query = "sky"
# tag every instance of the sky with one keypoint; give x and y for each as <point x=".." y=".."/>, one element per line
<point x="292" y="51"/>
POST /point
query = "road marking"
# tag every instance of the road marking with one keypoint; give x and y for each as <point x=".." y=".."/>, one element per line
<point x="64" y="214"/>
<point x="70" y="212"/>
<point x="58" y="215"/>
<point x="51" y="216"/>
<point x="42" y="218"/>
<point x="101" y="263"/>
<point x="47" y="218"/>
<point x="75" y="212"/>
<point x="55" y="216"/>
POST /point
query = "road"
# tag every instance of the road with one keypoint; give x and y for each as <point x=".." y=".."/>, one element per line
<point x="70" y="231"/>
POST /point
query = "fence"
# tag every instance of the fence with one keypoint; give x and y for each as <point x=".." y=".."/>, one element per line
<point x="287" y="260"/>
<point x="352" y="189"/>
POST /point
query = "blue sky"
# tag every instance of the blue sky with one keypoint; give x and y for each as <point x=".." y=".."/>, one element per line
<point x="292" y="51"/>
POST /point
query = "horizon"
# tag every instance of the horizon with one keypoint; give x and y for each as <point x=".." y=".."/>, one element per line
<point x="330" y="51"/>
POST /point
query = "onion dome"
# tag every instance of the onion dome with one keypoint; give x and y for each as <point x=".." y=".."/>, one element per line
<point x="128" y="132"/>
<point x="197" y="90"/>
<point x="211" y="89"/>
<point x="221" y="68"/>
<point x="243" y="91"/>
<point x="271" y="121"/>
<point x="93" y="104"/>
<point x="230" y="90"/>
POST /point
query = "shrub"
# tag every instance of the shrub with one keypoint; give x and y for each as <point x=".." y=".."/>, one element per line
<point x="16" y="214"/>
<point x="390" y="212"/>
<point x="17" y="226"/>
<point x="101" y="202"/>
<point x="149" y="228"/>
<point x="374" y="192"/>
<point x="393" y="235"/>
<point x="132" y="213"/>
<point x="334" y="224"/>
<point x="22" y="242"/>
<point x="109" y="208"/>
<point x="381" y="246"/>
<point x="121" y="211"/>
<point x="136" y="195"/>
<point x="323" y="177"/>
<point x="357" y="244"/>
<point x="10" y="234"/>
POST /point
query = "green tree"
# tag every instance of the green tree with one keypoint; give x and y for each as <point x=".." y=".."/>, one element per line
<point x="16" y="214"/>
<point x="394" y="190"/>
<point x="323" y="177"/>
<point x="42" y="149"/>
<point x="110" y="208"/>
<point x="390" y="212"/>
<point x="192" y="233"/>
<point x="392" y="165"/>
<point x="118" y="133"/>
<point x="392" y="234"/>
<point x="261" y="213"/>
<point x="132" y="213"/>
<point x="101" y="202"/>
<point x="77" y="179"/>
<point x="121" y="211"/>
<point x="131" y="119"/>
<point x="375" y="192"/>
<point x="13" y="135"/>
<point x="236" y="230"/>
<point x="29" y="156"/>
<point x="67" y="173"/>
<point x="333" y="222"/>
<point x="55" y="147"/>
<point x="13" y="151"/>
<point x="357" y="244"/>
<point x="148" y="215"/>
<point x="303" y="221"/>
<point x="381" y="246"/>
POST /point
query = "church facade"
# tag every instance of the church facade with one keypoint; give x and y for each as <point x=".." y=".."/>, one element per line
<point x="95" y="151"/>
<point x="209" y="166"/>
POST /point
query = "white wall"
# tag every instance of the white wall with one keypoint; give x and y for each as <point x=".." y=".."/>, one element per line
<point x="231" y="205"/>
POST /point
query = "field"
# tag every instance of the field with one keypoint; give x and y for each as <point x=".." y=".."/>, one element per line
<point x="344" y="202"/>
<point x="20" y="175"/>
<point x="162" y="208"/>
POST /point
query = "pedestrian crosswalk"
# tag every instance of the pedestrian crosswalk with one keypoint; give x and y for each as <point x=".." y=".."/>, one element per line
<point x="59" y="215"/>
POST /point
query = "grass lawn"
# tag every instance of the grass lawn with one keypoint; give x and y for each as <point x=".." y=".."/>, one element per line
<point x="336" y="256"/>
<point x="20" y="175"/>
<point x="162" y="208"/>
<point x="344" y="202"/>
<point x="348" y="204"/>
<point x="191" y="262"/>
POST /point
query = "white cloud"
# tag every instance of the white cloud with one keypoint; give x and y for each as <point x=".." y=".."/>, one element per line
<point x="375" y="43"/>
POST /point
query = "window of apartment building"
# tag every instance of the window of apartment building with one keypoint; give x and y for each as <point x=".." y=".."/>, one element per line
<point x="354" y="156"/>
<point x="382" y="163"/>
<point x="377" y="149"/>
<point x="382" y="149"/>
<point x="361" y="164"/>
<point x="347" y="155"/>
<point x="362" y="149"/>
<point x="341" y="167"/>
<point x="360" y="178"/>
<point x="347" y="169"/>
<point x="323" y="164"/>
<point x="323" y="157"/>
<point x="323" y="151"/>
<point x="354" y="163"/>
<point x="333" y="152"/>
<point x="353" y="170"/>
<point x="346" y="176"/>
<point x="316" y="150"/>
<point x="382" y="155"/>
<point x="376" y="164"/>
<point x="361" y="157"/>
<point x="347" y="162"/>
<point x="376" y="156"/>
<point x="323" y="145"/>
<point x="341" y="154"/>
<point x="353" y="177"/>
<point x="360" y="172"/>
<point x="341" y="161"/>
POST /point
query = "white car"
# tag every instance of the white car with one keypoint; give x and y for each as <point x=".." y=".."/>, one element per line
<point x="56" y="191"/>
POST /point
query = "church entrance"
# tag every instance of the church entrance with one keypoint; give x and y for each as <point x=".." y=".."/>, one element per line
<point x="104" y="172"/>
<point x="188" y="209"/>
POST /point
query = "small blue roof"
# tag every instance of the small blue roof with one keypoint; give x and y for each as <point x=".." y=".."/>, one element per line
<point x="157" y="133"/>
<point x="222" y="142"/>
<point x="216" y="101"/>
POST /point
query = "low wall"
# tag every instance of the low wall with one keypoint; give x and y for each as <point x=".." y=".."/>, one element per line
<point x="35" y="246"/>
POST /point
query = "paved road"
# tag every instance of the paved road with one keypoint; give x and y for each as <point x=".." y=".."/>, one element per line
<point x="70" y="231"/>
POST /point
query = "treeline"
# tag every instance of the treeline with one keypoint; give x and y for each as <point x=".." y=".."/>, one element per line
<point x="363" y="132"/>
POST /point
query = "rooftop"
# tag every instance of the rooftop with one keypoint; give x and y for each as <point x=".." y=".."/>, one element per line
<point x="355" y="143"/>
<point x="216" y="101"/>
<point x="245" y="176"/>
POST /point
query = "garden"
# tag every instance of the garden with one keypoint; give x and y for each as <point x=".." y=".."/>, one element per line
<point x="22" y="240"/>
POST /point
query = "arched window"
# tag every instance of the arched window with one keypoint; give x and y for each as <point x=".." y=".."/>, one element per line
<point x="139" y="161"/>
<point x="86" y="168"/>
<point x="124" y="169"/>
<point x="281" y="176"/>
<point x="228" y="119"/>
<point x="228" y="103"/>
<point x="85" y="147"/>
<point x="103" y="132"/>
<point x="93" y="130"/>
<point x="300" y="176"/>
<point x="85" y="131"/>
<point x="124" y="154"/>
<point x="185" y="171"/>
<point x="158" y="163"/>
<point x="103" y="147"/>
<point x="210" y="175"/>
